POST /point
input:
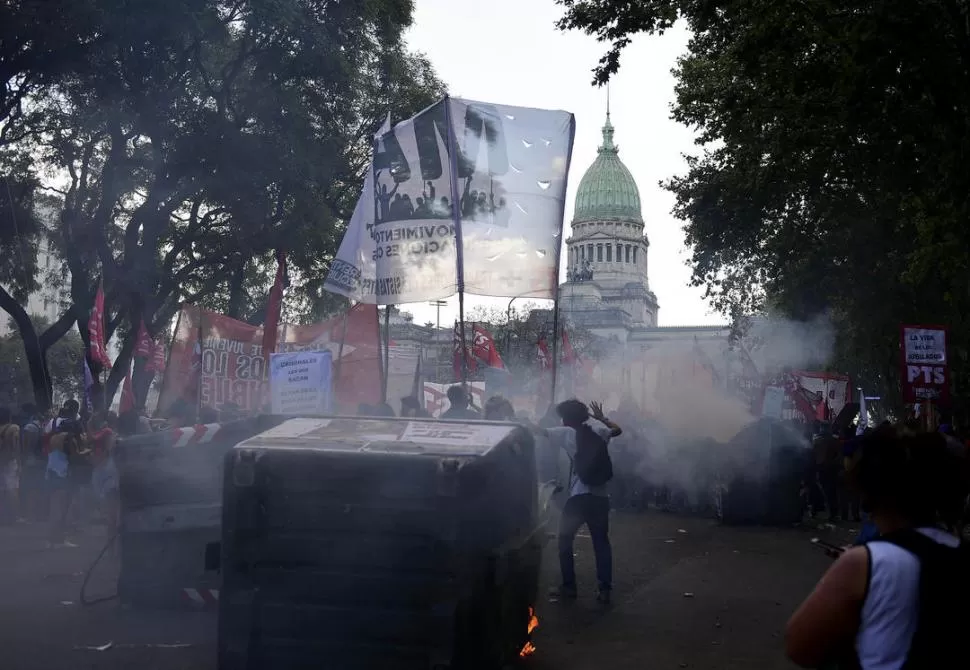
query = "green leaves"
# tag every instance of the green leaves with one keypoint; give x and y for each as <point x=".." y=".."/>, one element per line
<point x="188" y="140"/>
<point x="831" y="174"/>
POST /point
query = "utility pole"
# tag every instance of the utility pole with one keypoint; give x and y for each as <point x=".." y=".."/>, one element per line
<point x="437" y="304"/>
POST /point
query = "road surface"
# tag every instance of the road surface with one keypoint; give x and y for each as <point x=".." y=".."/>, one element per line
<point x="689" y="594"/>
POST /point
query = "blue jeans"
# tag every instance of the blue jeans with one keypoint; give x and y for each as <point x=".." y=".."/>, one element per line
<point x="593" y="512"/>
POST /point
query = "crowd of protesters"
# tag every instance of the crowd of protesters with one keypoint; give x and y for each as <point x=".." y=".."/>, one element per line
<point x="59" y="469"/>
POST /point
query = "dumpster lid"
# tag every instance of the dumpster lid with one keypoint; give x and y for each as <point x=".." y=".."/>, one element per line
<point x="385" y="435"/>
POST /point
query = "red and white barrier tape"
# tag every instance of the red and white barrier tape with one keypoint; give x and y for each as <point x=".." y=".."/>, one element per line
<point x="201" y="597"/>
<point x="199" y="434"/>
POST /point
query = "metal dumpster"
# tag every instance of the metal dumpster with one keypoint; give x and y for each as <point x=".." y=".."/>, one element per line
<point x="379" y="543"/>
<point x="170" y="484"/>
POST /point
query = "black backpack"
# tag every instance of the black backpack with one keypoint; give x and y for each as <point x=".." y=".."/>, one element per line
<point x="592" y="463"/>
<point x="944" y="591"/>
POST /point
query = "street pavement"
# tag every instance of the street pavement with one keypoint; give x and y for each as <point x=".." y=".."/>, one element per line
<point x="689" y="594"/>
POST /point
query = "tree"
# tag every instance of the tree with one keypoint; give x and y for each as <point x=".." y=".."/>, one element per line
<point x="64" y="365"/>
<point x="829" y="176"/>
<point x="21" y="230"/>
<point x="191" y="140"/>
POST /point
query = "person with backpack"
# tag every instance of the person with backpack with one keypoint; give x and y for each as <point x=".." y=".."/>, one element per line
<point x="899" y="601"/>
<point x="33" y="491"/>
<point x="585" y="440"/>
<point x="64" y="475"/>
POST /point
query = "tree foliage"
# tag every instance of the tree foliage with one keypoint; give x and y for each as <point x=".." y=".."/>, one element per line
<point x="830" y="175"/>
<point x="188" y="140"/>
<point x="64" y="365"/>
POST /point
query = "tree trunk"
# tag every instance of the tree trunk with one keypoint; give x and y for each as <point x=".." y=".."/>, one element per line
<point x="237" y="295"/>
<point x="36" y="360"/>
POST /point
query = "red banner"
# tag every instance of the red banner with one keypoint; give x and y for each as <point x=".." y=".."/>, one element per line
<point x="233" y="366"/>
<point x="924" y="373"/>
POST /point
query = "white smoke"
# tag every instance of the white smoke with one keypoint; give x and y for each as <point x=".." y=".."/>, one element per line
<point x="684" y="398"/>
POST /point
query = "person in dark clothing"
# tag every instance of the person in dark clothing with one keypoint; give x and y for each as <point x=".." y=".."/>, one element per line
<point x="848" y="498"/>
<point x="459" y="400"/>
<point x="410" y="407"/>
<point x="828" y="463"/>
<point x="498" y="408"/>
<point x="587" y="504"/>
<point x="900" y="600"/>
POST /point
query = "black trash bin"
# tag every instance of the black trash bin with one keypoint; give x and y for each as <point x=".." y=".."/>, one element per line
<point x="379" y="543"/>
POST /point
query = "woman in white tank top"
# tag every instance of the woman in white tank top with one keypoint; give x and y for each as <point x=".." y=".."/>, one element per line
<point x="863" y="613"/>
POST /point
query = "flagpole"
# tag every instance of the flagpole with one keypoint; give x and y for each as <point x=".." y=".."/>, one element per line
<point x="198" y="384"/>
<point x="556" y="292"/>
<point x="380" y="355"/>
<point x="387" y="351"/>
<point x="338" y="364"/>
<point x="459" y="239"/>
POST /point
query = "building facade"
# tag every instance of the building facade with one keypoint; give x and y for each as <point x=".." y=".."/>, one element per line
<point x="47" y="302"/>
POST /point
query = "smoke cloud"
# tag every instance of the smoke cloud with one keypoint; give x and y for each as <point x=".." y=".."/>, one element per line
<point x="682" y="402"/>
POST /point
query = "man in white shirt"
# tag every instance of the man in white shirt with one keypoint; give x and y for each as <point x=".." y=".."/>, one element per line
<point x="588" y="503"/>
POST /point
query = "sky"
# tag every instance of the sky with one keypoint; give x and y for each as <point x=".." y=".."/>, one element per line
<point x="510" y="52"/>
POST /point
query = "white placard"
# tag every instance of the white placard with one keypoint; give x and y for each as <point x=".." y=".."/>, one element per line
<point x="300" y="382"/>
<point x="774" y="402"/>
<point x="924" y="346"/>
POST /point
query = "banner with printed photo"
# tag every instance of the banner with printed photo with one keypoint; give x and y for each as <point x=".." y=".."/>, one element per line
<point x="499" y="172"/>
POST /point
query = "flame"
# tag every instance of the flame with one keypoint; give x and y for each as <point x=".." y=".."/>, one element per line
<point x="530" y="648"/>
<point x="533" y="620"/>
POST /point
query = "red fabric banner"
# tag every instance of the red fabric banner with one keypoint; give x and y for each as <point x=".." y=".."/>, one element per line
<point x="157" y="363"/>
<point x="543" y="355"/>
<point x="127" y="395"/>
<point x="271" y="323"/>
<point x="96" y="330"/>
<point x="222" y="359"/>
<point x="144" y="345"/>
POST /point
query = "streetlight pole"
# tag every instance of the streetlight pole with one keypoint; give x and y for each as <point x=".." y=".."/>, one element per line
<point x="437" y="304"/>
<point x="508" y="326"/>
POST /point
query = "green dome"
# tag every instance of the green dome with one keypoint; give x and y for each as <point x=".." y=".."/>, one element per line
<point x="607" y="190"/>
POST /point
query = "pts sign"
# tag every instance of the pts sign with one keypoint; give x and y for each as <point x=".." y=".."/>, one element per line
<point x="924" y="363"/>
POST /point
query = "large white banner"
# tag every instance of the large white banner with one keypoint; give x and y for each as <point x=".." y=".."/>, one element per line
<point x="504" y="187"/>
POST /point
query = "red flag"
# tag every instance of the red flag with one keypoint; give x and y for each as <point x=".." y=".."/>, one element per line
<point x="271" y="324"/>
<point x="96" y="330"/>
<point x="157" y="363"/>
<point x="542" y="353"/>
<point x="127" y="394"/>
<point x="144" y="346"/>
<point x="569" y="356"/>
<point x="461" y="350"/>
<point x="483" y="348"/>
